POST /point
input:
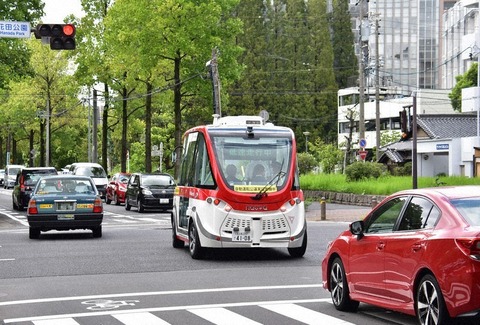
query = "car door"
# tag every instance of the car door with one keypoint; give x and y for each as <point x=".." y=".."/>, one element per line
<point x="405" y="247"/>
<point x="367" y="255"/>
<point x="132" y="190"/>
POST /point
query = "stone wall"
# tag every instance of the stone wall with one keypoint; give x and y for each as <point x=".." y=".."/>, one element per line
<point x="344" y="198"/>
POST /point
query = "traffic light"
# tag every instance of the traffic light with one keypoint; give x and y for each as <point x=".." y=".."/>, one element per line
<point x="61" y="36"/>
<point x="405" y="125"/>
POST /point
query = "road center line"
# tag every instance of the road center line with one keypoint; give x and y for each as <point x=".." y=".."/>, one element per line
<point x="156" y="293"/>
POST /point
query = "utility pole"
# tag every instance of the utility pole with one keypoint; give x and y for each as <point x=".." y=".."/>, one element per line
<point x="94" y="127"/>
<point x="47" y="136"/>
<point x="213" y="67"/>
<point x="414" y="143"/>
<point x="363" y="42"/>
<point x="377" y="91"/>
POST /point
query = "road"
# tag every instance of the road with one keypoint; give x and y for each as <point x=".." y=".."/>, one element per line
<point x="132" y="275"/>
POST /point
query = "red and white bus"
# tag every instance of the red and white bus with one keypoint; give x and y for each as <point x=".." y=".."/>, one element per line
<point x="239" y="187"/>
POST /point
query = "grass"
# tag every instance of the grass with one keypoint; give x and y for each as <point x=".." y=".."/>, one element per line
<point x="384" y="185"/>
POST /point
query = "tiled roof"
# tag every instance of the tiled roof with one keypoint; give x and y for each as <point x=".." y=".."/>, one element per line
<point x="448" y="126"/>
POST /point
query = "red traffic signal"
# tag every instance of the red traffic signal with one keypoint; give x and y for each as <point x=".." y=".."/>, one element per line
<point x="62" y="36"/>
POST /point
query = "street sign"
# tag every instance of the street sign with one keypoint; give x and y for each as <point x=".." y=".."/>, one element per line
<point x="15" y="29"/>
<point x="362" y="154"/>
<point x="363" y="143"/>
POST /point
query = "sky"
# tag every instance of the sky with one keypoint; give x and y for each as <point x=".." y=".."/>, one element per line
<point x="57" y="10"/>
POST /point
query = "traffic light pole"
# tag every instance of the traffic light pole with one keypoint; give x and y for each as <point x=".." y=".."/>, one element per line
<point x="47" y="136"/>
<point x="414" y="142"/>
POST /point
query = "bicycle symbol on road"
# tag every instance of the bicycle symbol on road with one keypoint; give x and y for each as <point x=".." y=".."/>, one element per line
<point x="104" y="304"/>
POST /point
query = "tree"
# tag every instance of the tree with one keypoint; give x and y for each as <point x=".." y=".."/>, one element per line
<point x="468" y="79"/>
<point x="14" y="55"/>
<point x="288" y="66"/>
<point x="91" y="58"/>
<point x="175" y="40"/>
<point x="345" y="62"/>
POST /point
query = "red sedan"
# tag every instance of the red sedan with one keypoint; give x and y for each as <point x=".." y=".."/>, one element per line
<point x="116" y="189"/>
<point x="417" y="252"/>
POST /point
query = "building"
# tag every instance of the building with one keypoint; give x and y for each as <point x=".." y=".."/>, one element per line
<point x="445" y="146"/>
<point x="429" y="101"/>
<point x="460" y="47"/>
<point x="409" y="41"/>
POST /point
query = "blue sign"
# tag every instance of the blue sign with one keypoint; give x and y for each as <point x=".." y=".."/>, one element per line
<point x="443" y="146"/>
<point x="15" y="29"/>
<point x="363" y="143"/>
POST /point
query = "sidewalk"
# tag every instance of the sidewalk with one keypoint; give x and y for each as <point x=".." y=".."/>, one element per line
<point x="336" y="212"/>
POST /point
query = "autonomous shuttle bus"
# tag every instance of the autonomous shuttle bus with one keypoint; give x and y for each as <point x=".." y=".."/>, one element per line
<point x="239" y="187"/>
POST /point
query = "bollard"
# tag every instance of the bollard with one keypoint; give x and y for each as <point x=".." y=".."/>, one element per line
<point x="374" y="202"/>
<point x="323" y="209"/>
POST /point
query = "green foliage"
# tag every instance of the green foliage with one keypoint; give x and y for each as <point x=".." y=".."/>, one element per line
<point x="387" y="137"/>
<point x="288" y="61"/>
<point x="468" y="79"/>
<point x="328" y="155"/>
<point x="306" y="162"/>
<point x="404" y="170"/>
<point x="384" y="185"/>
<point x="14" y="54"/>
<point x="126" y="46"/>
<point x="345" y="63"/>
<point x="363" y="170"/>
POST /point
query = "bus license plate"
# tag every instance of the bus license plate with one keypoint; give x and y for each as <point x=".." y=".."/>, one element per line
<point x="241" y="236"/>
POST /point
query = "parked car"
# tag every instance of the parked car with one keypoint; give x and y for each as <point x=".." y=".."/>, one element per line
<point x="117" y="188"/>
<point x="10" y="175"/>
<point x="2" y="176"/>
<point x="150" y="191"/>
<point x="93" y="170"/>
<point x="65" y="202"/>
<point x="25" y="182"/>
<point x="417" y="252"/>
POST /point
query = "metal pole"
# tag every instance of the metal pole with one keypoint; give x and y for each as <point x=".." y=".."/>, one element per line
<point x="47" y="137"/>
<point x="95" y="127"/>
<point x="377" y="92"/>
<point x="306" y="134"/>
<point x="414" y="143"/>
<point x="361" y="76"/>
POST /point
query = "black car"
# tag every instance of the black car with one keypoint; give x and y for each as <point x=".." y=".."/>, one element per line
<point x="25" y="182"/>
<point x="150" y="191"/>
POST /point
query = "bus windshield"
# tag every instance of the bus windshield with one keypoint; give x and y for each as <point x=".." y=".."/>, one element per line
<point x="250" y="164"/>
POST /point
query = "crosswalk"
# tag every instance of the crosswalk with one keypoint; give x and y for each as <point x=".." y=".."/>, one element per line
<point x="109" y="219"/>
<point x="281" y="312"/>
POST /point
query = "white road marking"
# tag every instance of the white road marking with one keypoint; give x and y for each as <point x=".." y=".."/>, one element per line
<point x="140" y="318"/>
<point x="61" y="321"/>
<point x="304" y="315"/>
<point x="160" y="309"/>
<point x="222" y="316"/>
<point x="156" y="293"/>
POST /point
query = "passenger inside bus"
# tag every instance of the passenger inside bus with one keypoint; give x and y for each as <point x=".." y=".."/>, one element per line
<point x="258" y="174"/>
<point x="232" y="174"/>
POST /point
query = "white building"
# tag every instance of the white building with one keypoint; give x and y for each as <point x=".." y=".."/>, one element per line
<point x="429" y="101"/>
<point x="460" y="41"/>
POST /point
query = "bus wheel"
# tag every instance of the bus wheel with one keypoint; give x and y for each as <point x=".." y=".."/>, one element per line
<point x="299" y="251"/>
<point x="176" y="243"/>
<point x="196" y="249"/>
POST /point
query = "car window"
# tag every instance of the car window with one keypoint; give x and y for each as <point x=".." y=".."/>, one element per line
<point x="420" y="213"/>
<point x="469" y="208"/>
<point x="385" y="217"/>
<point x="90" y="171"/>
<point x="156" y="180"/>
<point x="65" y="186"/>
